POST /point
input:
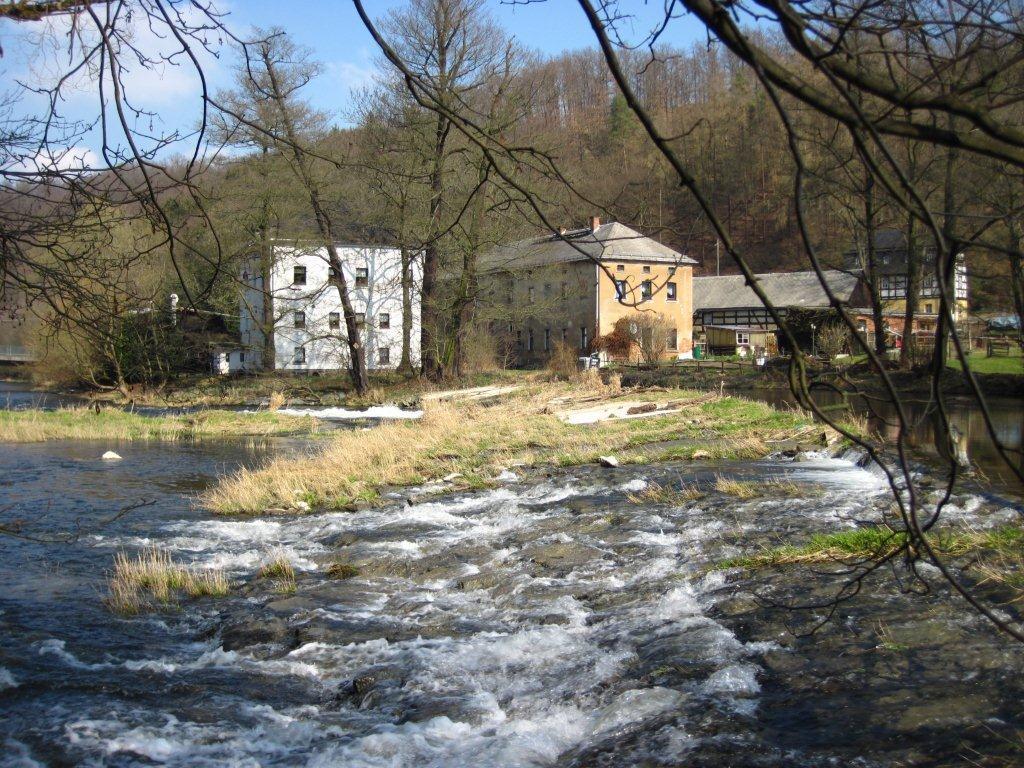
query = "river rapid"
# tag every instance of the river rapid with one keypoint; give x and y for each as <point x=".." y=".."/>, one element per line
<point x="559" y="620"/>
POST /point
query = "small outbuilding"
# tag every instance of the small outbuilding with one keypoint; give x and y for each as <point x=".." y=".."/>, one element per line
<point x="742" y="340"/>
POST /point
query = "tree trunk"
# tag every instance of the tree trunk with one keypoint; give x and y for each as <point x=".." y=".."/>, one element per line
<point x="946" y="262"/>
<point x="266" y="267"/>
<point x="872" y="266"/>
<point x="357" y="352"/>
<point x="430" y="319"/>
<point x="913" y="292"/>
<point x="405" y="365"/>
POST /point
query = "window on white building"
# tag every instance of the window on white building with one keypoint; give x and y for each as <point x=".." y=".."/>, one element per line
<point x="334" y="321"/>
<point x="384" y="356"/>
<point x="299" y="357"/>
<point x="362" y="277"/>
<point x="299" y="276"/>
<point x="360" y="318"/>
<point x="299" y="319"/>
<point x="742" y="338"/>
<point x="384" y="320"/>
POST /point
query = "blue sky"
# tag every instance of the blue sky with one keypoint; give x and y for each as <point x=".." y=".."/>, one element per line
<point x="330" y="28"/>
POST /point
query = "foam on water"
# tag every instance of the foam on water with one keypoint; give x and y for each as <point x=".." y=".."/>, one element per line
<point x="516" y="670"/>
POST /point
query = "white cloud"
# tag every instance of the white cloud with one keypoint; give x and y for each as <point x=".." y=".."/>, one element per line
<point x="353" y="75"/>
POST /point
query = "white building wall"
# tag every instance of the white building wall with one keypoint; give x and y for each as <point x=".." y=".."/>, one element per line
<point x="325" y="347"/>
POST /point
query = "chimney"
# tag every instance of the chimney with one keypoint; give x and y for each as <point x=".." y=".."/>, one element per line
<point x="595" y="222"/>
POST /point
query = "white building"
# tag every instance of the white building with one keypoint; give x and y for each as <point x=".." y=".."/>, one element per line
<point x="304" y="312"/>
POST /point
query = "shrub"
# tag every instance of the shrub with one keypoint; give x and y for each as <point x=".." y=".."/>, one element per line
<point x="562" y="363"/>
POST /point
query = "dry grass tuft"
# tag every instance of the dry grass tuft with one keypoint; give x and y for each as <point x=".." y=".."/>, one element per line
<point x="280" y="570"/>
<point x="660" y="494"/>
<point x="749" y="489"/>
<point x="152" y="577"/>
<point x="278" y="400"/>
<point x="740" y="489"/>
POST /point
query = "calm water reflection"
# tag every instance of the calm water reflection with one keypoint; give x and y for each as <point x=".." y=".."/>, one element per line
<point x="972" y="439"/>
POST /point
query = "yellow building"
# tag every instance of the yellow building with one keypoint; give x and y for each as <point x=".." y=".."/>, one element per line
<point x="575" y="286"/>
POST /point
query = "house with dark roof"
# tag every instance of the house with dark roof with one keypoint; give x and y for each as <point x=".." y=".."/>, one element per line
<point x="574" y="286"/>
<point x="891" y="254"/>
<point x="727" y="300"/>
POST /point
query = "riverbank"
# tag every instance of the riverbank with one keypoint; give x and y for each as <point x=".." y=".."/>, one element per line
<point x="993" y="380"/>
<point x="33" y="426"/>
<point x="468" y="444"/>
<point x="331" y="388"/>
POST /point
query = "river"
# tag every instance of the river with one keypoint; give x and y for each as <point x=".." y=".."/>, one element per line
<point x="974" y="442"/>
<point x="557" y="620"/>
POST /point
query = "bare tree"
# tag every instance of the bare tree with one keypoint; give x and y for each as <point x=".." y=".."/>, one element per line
<point x="959" y="93"/>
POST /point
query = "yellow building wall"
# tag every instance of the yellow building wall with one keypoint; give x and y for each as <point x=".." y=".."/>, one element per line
<point x="678" y="312"/>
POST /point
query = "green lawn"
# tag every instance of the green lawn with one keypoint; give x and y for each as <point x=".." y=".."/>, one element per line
<point x="981" y="363"/>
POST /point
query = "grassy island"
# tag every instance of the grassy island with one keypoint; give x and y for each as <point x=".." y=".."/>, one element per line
<point x="473" y="442"/>
<point x="34" y="426"/>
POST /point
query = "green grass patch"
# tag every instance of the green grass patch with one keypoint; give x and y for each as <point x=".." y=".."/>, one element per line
<point x="33" y="426"/>
<point x="981" y="363"/>
<point x="342" y="571"/>
<point x="1003" y="544"/>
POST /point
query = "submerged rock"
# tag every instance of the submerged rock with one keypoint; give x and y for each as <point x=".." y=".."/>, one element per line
<point x="110" y="455"/>
<point x="566" y="555"/>
<point x="257" y="630"/>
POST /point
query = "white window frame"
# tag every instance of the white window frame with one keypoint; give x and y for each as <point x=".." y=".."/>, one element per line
<point x="742" y="339"/>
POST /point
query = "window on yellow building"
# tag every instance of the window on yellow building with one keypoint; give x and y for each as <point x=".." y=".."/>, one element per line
<point x="670" y="291"/>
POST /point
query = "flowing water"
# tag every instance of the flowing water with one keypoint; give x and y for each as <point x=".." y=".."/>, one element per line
<point x="971" y="435"/>
<point x="561" y="619"/>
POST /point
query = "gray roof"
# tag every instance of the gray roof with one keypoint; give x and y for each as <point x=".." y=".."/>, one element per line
<point x="784" y="289"/>
<point x="609" y="242"/>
